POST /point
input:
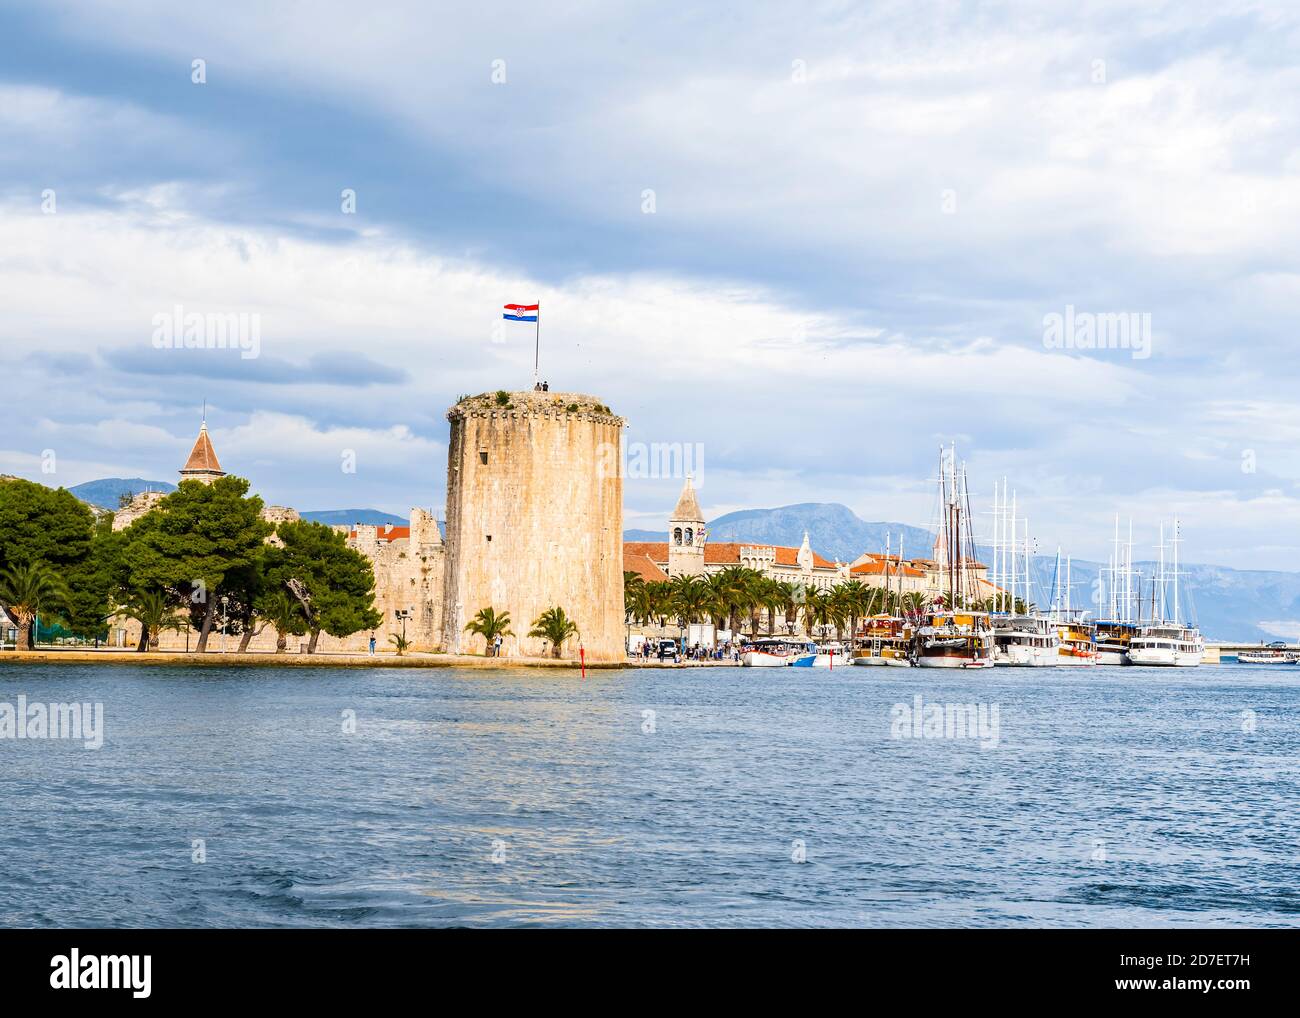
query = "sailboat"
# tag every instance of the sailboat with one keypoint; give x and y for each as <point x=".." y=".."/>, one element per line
<point x="1167" y="640"/>
<point x="957" y="636"/>
<point x="1023" y="637"/>
<point x="886" y="640"/>
<point x="1117" y="627"/>
<point x="1078" y="636"/>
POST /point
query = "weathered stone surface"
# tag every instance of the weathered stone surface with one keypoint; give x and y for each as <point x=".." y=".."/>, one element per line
<point x="535" y="519"/>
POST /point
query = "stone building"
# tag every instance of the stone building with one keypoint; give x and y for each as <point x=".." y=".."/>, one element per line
<point x="407" y="563"/>
<point x="534" y="519"/>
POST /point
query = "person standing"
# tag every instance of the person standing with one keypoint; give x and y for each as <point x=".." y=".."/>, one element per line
<point x="372" y="644"/>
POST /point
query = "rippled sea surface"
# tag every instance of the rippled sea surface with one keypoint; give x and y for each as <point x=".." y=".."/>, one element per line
<point x="1114" y="797"/>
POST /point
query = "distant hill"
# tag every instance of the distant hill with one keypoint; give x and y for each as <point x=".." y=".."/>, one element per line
<point x="834" y="530"/>
<point x="346" y="517"/>
<point x="107" y="491"/>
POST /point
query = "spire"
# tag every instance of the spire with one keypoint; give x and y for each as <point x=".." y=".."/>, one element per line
<point x="202" y="464"/>
<point x="688" y="506"/>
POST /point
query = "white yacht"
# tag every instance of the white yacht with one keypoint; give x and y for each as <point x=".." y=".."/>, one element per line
<point x="1026" y="641"/>
<point x="1166" y="641"/>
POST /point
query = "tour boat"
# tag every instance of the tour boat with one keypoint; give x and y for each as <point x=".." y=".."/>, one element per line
<point x="1025" y="641"/>
<point x="1166" y="641"/>
<point x="886" y="642"/>
<point x="1113" y="639"/>
<point x="1167" y="645"/>
<point x="776" y="652"/>
<point x="960" y="639"/>
<point x="1078" y="643"/>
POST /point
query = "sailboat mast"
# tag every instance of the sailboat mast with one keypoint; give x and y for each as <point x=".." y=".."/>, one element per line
<point x="1175" y="540"/>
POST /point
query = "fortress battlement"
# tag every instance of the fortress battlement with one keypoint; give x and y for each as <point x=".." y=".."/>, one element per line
<point x="515" y="405"/>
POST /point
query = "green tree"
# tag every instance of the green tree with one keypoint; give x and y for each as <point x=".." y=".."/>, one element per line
<point x="400" y="643"/>
<point x="54" y="527"/>
<point x="28" y="590"/>
<point x="193" y="541"/>
<point x="489" y="625"/>
<point x="555" y="627"/>
<point x="335" y="584"/>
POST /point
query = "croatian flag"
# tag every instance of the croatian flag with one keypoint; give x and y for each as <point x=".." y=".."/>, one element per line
<point x="521" y="312"/>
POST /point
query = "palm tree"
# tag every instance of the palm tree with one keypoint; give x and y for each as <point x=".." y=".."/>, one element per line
<point x="26" y="590"/>
<point x="556" y="627"/>
<point x="915" y="602"/>
<point x="400" y="642"/>
<point x="285" y="615"/>
<point x="791" y="595"/>
<point x="489" y="625"/>
<point x="691" y="598"/>
<point x="852" y="599"/>
<point x="156" y="614"/>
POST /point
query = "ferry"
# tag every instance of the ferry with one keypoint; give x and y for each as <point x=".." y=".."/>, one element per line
<point x="777" y="652"/>
<point x="1267" y="657"/>
<point x="1026" y="641"/>
<point x="960" y="639"/>
<point x="886" y="642"/>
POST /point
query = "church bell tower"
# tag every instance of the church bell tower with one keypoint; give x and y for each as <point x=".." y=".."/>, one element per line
<point x="686" y="535"/>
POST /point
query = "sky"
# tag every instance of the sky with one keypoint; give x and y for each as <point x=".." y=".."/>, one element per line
<point x="811" y="243"/>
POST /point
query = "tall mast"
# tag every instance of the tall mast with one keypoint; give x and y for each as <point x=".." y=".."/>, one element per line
<point x="1175" y="541"/>
<point x="1164" y="609"/>
<point x="1128" y="575"/>
<point x="1068" y="608"/>
<point x="1010" y="574"/>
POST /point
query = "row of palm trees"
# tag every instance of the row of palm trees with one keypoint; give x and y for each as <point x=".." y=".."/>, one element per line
<point x="553" y="625"/>
<point x="737" y="595"/>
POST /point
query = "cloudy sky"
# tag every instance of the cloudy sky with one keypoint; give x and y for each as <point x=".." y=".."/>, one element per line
<point x="817" y="239"/>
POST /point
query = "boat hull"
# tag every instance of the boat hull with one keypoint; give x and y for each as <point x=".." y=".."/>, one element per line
<point x="882" y="662"/>
<point x="1019" y="656"/>
<point x="759" y="659"/>
<point x="1112" y="657"/>
<point x="1162" y="657"/>
<point x="953" y="661"/>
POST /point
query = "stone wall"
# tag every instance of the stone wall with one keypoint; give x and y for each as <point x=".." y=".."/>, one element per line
<point x="535" y="519"/>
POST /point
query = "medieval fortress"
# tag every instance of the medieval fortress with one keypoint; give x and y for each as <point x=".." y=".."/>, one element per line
<point x="533" y="521"/>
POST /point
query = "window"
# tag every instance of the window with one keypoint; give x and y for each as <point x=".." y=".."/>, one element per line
<point x="489" y="537"/>
<point x="482" y="456"/>
<point x="677" y="535"/>
<point x="690" y="536"/>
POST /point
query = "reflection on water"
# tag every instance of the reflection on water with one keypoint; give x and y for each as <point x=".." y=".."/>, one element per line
<point x="1114" y="797"/>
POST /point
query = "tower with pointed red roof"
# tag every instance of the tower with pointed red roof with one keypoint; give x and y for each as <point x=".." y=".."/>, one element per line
<point x="202" y="466"/>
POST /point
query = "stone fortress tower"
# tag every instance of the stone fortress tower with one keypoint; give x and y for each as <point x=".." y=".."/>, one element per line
<point x="535" y="519"/>
<point x="686" y="535"/>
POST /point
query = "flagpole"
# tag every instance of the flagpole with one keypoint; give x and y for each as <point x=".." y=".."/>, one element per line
<point x="537" y="345"/>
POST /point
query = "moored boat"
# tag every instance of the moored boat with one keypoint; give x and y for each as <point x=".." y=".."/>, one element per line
<point x="886" y="642"/>
<point x="776" y="652"/>
<point x="1267" y="657"/>
<point x="960" y="639"/>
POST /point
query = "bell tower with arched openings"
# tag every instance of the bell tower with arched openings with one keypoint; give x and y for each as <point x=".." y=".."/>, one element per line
<point x="686" y="535"/>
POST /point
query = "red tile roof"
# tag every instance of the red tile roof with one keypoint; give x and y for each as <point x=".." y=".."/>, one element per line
<point x="203" y="458"/>
<point x="725" y="553"/>
<point x="391" y="534"/>
<point x="642" y="566"/>
<point x="878" y="569"/>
